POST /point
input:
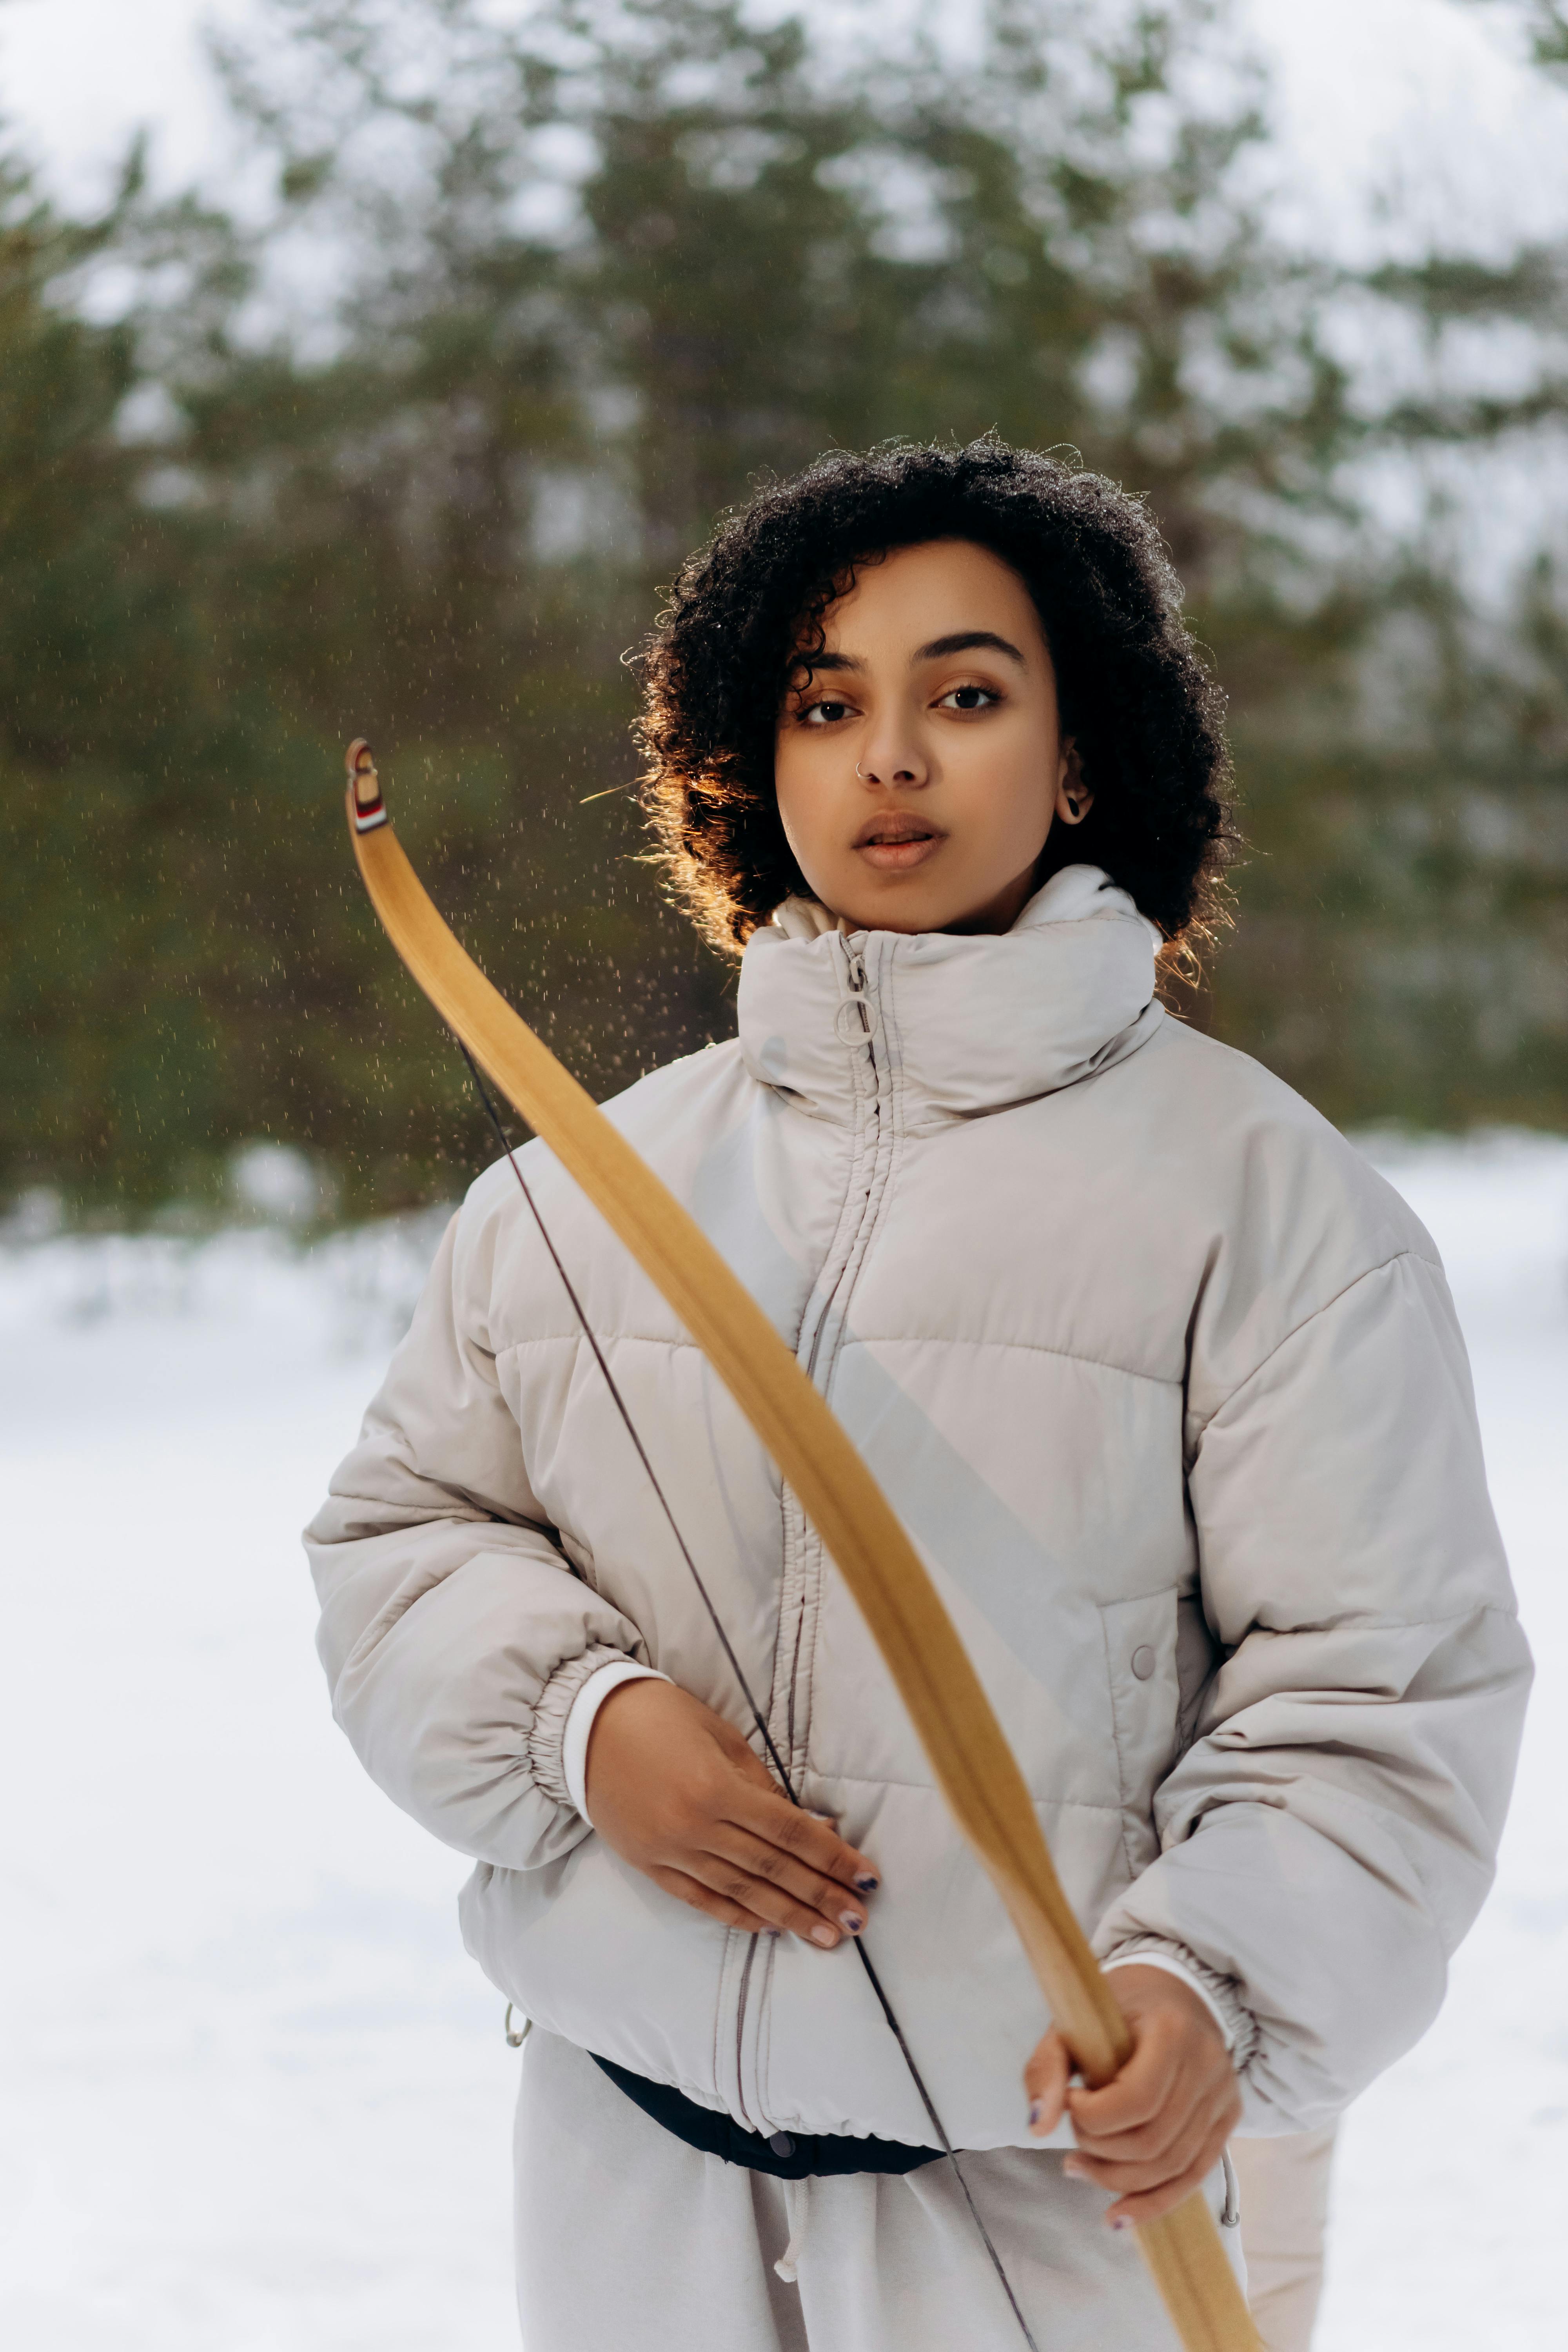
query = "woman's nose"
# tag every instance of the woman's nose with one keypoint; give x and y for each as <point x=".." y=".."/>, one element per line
<point x="889" y="761"/>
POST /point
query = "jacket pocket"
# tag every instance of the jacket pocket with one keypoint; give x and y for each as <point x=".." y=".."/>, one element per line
<point x="1145" y="1705"/>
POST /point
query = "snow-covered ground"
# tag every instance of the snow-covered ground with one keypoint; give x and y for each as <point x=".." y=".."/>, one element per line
<point x="256" y="2100"/>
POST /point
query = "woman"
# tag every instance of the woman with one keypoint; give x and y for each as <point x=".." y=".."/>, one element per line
<point x="1161" y="1378"/>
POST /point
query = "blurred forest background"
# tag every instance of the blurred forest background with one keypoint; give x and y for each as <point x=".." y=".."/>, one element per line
<point x="575" y="280"/>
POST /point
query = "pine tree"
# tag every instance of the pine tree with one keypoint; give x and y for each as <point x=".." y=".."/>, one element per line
<point x="596" y="274"/>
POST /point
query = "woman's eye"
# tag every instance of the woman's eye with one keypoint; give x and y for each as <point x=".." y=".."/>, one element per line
<point x="824" y="714"/>
<point x="968" y="698"/>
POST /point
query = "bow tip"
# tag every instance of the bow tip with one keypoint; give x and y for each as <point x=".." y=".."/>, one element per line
<point x="366" y="810"/>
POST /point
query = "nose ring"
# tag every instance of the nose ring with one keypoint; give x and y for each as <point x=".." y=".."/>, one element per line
<point x="865" y="780"/>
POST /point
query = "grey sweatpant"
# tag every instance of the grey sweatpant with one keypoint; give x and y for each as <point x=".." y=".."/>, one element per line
<point x="1284" y="2222"/>
<point x="627" y="2238"/>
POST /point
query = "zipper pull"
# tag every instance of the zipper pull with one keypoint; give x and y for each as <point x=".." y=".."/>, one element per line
<point x="856" y="962"/>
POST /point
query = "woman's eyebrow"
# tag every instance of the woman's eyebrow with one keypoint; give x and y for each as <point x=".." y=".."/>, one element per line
<point x="965" y="641"/>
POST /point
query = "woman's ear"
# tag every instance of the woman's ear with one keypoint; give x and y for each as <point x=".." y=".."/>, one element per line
<point x="1074" y="798"/>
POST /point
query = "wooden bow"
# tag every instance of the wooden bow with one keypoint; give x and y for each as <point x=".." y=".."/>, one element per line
<point x="973" y="1764"/>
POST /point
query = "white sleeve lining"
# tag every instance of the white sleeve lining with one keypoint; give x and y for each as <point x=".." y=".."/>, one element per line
<point x="1172" y="1968"/>
<point x="580" y="1722"/>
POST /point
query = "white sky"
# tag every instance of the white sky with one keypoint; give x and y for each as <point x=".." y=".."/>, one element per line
<point x="1417" y="102"/>
<point x="78" y="77"/>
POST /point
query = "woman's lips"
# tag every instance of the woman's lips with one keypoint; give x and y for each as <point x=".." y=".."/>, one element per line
<point x="898" y="846"/>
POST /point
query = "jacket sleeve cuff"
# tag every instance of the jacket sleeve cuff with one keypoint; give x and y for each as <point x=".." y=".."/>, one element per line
<point x="547" y="1733"/>
<point x="564" y="1719"/>
<point x="1218" y="1993"/>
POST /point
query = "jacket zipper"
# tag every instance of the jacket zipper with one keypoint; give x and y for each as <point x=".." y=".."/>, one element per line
<point x="755" y="1982"/>
<point x="857" y="988"/>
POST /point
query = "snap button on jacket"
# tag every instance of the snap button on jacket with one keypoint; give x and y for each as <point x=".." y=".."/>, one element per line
<point x="1166" y="1385"/>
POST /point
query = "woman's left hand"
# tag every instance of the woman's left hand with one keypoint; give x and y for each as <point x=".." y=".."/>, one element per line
<point x="1158" y="2126"/>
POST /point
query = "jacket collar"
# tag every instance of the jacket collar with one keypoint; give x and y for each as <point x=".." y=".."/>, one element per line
<point x="962" y="1025"/>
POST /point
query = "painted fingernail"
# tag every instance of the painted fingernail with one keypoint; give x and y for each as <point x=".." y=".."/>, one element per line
<point x="868" y="1882"/>
<point x="1034" y="2113"/>
<point x="826" y="1937"/>
<point x="1073" y="2169"/>
<point x="1121" y="2224"/>
<point x="851" y="1922"/>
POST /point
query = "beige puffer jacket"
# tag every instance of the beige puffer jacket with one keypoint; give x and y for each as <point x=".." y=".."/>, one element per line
<point x="1165" y="1384"/>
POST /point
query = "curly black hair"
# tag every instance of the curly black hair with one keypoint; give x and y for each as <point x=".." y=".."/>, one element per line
<point x="1144" y="709"/>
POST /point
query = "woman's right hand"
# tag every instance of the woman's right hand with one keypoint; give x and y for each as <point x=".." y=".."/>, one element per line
<point x="676" y="1792"/>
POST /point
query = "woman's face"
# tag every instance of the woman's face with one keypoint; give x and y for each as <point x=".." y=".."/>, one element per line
<point x="921" y="765"/>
